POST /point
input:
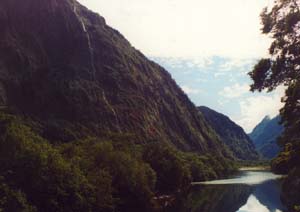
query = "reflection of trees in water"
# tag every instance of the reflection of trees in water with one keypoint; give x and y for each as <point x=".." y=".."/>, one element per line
<point x="229" y="198"/>
<point x="268" y="194"/>
<point x="215" y="198"/>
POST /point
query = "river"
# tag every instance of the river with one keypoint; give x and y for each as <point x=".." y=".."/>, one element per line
<point x="249" y="191"/>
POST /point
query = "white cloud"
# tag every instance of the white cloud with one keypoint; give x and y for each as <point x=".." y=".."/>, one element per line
<point x="189" y="90"/>
<point x="253" y="205"/>
<point x="218" y="74"/>
<point x="201" y="80"/>
<point x="236" y="64"/>
<point x="188" y="29"/>
<point x="203" y="62"/>
<point x="254" y="109"/>
<point x="235" y="91"/>
<point x="222" y="102"/>
<point x="180" y="62"/>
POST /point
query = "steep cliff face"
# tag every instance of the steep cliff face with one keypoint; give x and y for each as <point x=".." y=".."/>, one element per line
<point x="62" y="66"/>
<point x="265" y="135"/>
<point x="230" y="134"/>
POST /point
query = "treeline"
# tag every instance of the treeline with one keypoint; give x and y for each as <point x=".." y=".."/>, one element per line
<point x="288" y="162"/>
<point x="93" y="174"/>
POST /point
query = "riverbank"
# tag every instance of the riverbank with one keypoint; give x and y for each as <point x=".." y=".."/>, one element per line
<point x="251" y="190"/>
<point x="255" y="168"/>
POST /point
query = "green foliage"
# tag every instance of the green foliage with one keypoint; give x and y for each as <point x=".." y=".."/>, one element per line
<point x="93" y="174"/>
<point x="172" y="171"/>
<point x="87" y="175"/>
<point x="13" y="200"/>
<point x="200" y="169"/>
<point x="287" y="159"/>
<point x="220" y="166"/>
<point x="254" y="163"/>
<point x="290" y="190"/>
<point x="132" y="180"/>
<point x="206" y="167"/>
<point x="48" y="181"/>
<point x="259" y="73"/>
<point x="291" y="114"/>
<point x="175" y="169"/>
<point x="280" y="23"/>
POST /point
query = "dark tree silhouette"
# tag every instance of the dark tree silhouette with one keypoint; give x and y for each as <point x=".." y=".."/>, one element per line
<point x="282" y="67"/>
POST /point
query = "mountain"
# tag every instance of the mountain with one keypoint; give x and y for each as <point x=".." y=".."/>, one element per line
<point x="65" y="68"/>
<point x="265" y="135"/>
<point x="230" y="134"/>
<point x="87" y="122"/>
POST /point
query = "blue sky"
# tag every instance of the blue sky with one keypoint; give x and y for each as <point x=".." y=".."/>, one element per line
<point x="207" y="46"/>
<point x="223" y="85"/>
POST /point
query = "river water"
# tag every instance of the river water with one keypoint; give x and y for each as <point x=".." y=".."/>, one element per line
<point x="249" y="191"/>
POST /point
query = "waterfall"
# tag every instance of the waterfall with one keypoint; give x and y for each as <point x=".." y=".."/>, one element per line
<point x="91" y="51"/>
<point x="112" y="110"/>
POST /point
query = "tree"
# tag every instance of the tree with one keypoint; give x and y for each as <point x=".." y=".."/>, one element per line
<point x="172" y="171"/>
<point x="132" y="179"/>
<point x="282" y="67"/>
<point x="34" y="176"/>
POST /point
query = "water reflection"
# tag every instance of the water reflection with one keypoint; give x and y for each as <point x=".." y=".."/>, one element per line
<point x="249" y="192"/>
<point x="218" y="198"/>
<point x="268" y="194"/>
<point x="253" y="205"/>
<point x="245" y="177"/>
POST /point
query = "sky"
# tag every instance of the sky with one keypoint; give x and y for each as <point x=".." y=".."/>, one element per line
<point x="207" y="46"/>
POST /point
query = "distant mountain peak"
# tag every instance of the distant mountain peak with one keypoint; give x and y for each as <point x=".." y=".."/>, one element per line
<point x="265" y="134"/>
<point x="267" y="118"/>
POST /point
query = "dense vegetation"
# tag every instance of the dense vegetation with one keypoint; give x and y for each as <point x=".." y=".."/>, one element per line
<point x="265" y="135"/>
<point x="231" y="134"/>
<point x="282" y="22"/>
<point x="93" y="174"/>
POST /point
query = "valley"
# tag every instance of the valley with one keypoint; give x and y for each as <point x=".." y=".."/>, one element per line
<point x="89" y="123"/>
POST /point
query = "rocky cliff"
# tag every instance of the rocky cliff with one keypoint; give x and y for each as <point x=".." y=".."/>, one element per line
<point x="62" y="66"/>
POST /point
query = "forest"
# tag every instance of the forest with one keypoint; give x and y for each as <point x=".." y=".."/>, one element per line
<point x="94" y="174"/>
